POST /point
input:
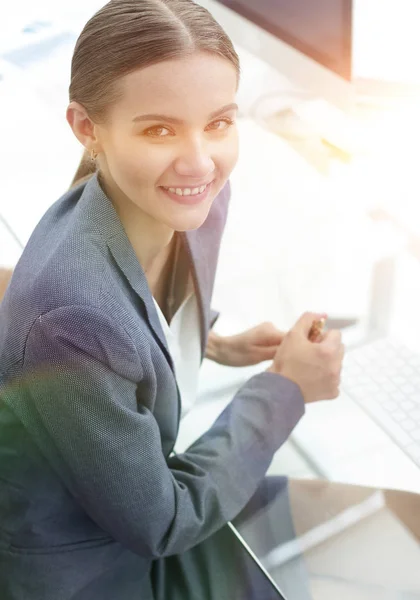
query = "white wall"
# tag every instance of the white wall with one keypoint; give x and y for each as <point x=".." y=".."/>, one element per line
<point x="387" y="40"/>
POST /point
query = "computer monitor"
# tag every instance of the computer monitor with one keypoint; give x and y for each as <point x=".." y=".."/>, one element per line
<point x="308" y="41"/>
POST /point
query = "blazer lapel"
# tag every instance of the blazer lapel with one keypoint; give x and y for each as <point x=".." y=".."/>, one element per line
<point x="200" y="273"/>
<point x="103" y="216"/>
<point x="125" y="257"/>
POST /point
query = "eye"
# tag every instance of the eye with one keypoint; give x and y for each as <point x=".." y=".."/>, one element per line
<point x="220" y="125"/>
<point x="158" y="131"/>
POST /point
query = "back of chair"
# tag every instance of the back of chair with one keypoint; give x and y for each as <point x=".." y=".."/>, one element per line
<point x="84" y="171"/>
<point x="5" y="275"/>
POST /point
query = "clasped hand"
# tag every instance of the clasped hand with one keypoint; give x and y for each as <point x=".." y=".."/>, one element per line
<point x="314" y="367"/>
<point x="250" y="347"/>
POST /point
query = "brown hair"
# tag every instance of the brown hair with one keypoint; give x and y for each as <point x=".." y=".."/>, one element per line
<point x="126" y="35"/>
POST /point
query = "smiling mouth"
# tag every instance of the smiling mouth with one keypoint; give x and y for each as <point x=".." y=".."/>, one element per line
<point x="196" y="191"/>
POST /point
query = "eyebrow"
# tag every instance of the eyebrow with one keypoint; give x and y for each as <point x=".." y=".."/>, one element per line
<point x="175" y="121"/>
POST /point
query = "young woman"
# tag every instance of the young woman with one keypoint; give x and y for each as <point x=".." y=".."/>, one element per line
<point x="106" y="322"/>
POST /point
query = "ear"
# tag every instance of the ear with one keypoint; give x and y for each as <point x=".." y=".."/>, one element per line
<point x="83" y="127"/>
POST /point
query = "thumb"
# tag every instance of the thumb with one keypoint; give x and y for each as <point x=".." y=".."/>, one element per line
<point x="304" y="324"/>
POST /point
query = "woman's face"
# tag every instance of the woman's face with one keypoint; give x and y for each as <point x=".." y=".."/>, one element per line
<point x="170" y="142"/>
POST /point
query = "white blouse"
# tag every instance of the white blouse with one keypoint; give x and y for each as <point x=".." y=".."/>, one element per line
<point x="184" y="343"/>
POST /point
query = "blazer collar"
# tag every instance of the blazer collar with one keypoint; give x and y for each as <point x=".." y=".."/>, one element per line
<point x="101" y="214"/>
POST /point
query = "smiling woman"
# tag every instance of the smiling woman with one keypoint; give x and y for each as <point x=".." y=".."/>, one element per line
<point x="155" y="105"/>
<point x="162" y="134"/>
<point x="105" y="324"/>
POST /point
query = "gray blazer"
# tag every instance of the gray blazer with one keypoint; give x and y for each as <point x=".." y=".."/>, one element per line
<point x="91" y="493"/>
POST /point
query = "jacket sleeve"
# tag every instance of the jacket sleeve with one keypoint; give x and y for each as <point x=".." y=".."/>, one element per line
<point x="77" y="399"/>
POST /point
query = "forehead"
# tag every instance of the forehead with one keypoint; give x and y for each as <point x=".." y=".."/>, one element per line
<point x="185" y="88"/>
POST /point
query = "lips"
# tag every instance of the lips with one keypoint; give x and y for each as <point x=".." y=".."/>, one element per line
<point x="186" y="191"/>
<point x="188" y="196"/>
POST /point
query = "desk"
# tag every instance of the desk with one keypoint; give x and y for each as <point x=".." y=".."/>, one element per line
<point x="353" y="543"/>
<point x="287" y="223"/>
<point x="267" y="222"/>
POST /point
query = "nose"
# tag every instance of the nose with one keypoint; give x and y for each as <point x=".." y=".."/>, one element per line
<point x="194" y="159"/>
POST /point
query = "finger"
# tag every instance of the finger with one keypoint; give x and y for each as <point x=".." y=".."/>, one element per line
<point x="339" y="359"/>
<point x="320" y="338"/>
<point x="332" y="337"/>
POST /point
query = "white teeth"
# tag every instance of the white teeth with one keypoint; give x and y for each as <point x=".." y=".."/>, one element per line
<point x="187" y="191"/>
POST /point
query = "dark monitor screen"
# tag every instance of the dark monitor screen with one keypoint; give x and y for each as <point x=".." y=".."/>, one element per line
<point x="321" y="29"/>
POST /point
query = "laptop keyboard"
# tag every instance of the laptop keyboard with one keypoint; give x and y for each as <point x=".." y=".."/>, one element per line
<point x="383" y="377"/>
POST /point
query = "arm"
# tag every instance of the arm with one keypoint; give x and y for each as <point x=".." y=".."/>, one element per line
<point x="250" y="347"/>
<point x="214" y="348"/>
<point x="77" y="398"/>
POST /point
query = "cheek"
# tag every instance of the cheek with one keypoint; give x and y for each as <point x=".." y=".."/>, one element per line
<point x="137" y="163"/>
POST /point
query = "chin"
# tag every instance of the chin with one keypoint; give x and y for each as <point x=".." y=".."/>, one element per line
<point x="187" y="217"/>
<point x="190" y="222"/>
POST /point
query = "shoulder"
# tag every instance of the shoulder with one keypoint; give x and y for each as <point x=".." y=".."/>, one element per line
<point x="69" y="333"/>
<point x="64" y="259"/>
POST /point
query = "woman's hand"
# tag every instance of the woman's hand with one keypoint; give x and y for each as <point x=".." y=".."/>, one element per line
<point x="244" y="349"/>
<point x="315" y="366"/>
